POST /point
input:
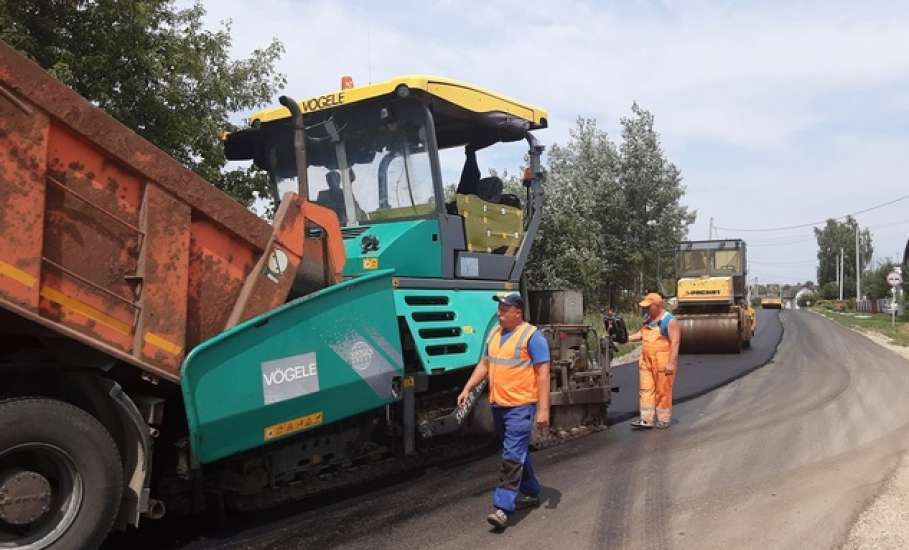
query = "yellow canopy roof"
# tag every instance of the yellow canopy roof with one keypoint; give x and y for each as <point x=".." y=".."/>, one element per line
<point x="462" y="94"/>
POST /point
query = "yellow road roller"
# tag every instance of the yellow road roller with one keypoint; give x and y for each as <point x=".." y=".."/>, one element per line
<point x="772" y="297"/>
<point x="712" y="299"/>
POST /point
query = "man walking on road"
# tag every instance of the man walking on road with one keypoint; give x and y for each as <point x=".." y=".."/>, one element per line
<point x="516" y="363"/>
<point x="660" y="336"/>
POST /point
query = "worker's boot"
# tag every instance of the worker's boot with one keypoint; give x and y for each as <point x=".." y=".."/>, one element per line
<point x="640" y="423"/>
<point x="526" y="501"/>
<point x="498" y="519"/>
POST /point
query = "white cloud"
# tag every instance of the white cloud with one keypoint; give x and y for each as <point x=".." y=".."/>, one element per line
<point x="717" y="71"/>
<point x="767" y="85"/>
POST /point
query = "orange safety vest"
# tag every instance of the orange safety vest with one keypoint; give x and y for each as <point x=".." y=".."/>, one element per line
<point x="512" y="380"/>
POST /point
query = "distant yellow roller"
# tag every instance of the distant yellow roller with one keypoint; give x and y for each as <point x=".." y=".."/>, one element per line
<point x="771" y="303"/>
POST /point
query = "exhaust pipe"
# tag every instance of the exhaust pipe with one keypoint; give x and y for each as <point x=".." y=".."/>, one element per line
<point x="299" y="145"/>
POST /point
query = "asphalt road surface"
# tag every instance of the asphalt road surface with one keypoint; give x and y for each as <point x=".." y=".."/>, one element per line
<point x="784" y="457"/>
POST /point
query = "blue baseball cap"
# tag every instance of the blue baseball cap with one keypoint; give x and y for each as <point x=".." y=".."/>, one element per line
<point x="514" y="299"/>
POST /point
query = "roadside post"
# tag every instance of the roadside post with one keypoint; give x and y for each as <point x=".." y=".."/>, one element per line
<point x="894" y="279"/>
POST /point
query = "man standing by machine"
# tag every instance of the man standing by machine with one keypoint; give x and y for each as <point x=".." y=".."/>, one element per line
<point x="516" y="363"/>
<point x="661" y="336"/>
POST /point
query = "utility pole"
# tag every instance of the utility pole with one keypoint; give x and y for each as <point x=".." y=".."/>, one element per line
<point x="842" y="263"/>
<point x="858" y="266"/>
<point x="710" y="230"/>
<point x="838" y="270"/>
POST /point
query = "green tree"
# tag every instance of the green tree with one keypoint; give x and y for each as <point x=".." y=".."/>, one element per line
<point x="612" y="214"/>
<point x="154" y="68"/>
<point x="874" y="281"/>
<point x="836" y="236"/>
<point x="569" y="251"/>
<point x="806" y="298"/>
<point x="830" y="290"/>
<point x="654" y="219"/>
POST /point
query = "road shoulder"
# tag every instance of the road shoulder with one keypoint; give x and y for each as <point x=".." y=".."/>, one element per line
<point x="885" y="522"/>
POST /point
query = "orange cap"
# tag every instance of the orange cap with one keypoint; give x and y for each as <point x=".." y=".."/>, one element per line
<point x="651" y="299"/>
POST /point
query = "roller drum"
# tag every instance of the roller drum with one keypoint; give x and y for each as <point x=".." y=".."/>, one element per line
<point x="711" y="333"/>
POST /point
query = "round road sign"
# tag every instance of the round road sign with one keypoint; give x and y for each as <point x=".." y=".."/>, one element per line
<point x="894" y="279"/>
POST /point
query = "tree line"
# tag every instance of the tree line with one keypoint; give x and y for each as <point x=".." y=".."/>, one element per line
<point x="838" y="237"/>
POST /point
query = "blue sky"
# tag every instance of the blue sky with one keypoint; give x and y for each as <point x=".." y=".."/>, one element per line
<point x="776" y="113"/>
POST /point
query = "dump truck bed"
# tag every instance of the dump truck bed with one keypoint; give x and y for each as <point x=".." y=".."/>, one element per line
<point x="105" y="238"/>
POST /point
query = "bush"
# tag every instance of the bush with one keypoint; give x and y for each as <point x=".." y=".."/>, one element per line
<point x="830" y="291"/>
<point x="832" y="305"/>
<point x="804" y="299"/>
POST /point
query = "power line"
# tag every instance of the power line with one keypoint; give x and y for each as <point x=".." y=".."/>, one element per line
<point x="780" y="238"/>
<point x="801" y="262"/>
<point x="787" y="240"/>
<point x="782" y="243"/>
<point x="889" y="224"/>
<point x="812" y="224"/>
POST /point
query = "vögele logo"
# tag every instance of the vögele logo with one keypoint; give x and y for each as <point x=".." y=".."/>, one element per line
<point x="289" y="377"/>
<point x="290" y="374"/>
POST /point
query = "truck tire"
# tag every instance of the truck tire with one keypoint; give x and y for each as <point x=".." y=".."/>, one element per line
<point x="65" y="467"/>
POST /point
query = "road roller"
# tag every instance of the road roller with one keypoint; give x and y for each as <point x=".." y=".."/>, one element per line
<point x="772" y="297"/>
<point x="712" y="298"/>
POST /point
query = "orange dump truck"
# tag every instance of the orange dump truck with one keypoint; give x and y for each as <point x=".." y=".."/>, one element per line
<point x="115" y="261"/>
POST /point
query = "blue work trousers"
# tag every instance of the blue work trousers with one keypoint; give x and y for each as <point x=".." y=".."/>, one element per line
<point x="514" y="425"/>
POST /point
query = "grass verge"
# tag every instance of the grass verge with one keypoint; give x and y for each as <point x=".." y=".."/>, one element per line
<point x="876" y="322"/>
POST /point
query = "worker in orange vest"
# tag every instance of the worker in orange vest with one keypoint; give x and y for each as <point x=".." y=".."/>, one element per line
<point x="516" y="363"/>
<point x="660" y="336"/>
